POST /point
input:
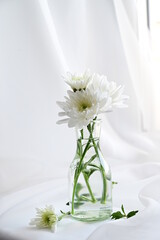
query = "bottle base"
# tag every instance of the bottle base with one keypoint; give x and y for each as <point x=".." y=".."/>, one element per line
<point x="92" y="216"/>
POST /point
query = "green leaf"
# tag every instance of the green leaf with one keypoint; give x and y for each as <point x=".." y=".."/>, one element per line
<point x="114" y="182"/>
<point x="132" y="213"/>
<point x="89" y="127"/>
<point x="93" y="165"/>
<point x="62" y="212"/>
<point x="90" y="160"/>
<point x="81" y="133"/>
<point x="79" y="147"/>
<point x="91" y="171"/>
<point x="122" y="207"/>
<point x="88" y="172"/>
<point x="117" y="215"/>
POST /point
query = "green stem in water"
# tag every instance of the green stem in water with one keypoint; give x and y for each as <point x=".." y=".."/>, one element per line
<point x="104" y="193"/>
<point x="79" y="169"/>
<point x="103" y="200"/>
<point x="89" y="188"/>
<point x="77" y="173"/>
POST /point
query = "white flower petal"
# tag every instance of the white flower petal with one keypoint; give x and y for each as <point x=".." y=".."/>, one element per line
<point x="45" y="218"/>
<point x="62" y="121"/>
<point x="78" y="81"/>
<point x="72" y="123"/>
<point x="54" y="228"/>
<point x="61" y="114"/>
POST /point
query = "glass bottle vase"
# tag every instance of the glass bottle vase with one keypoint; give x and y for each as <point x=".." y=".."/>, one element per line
<point x="90" y="185"/>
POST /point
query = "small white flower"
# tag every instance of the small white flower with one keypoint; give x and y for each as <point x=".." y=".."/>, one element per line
<point x="99" y="83"/>
<point x="110" y="89"/>
<point x="78" y="81"/>
<point x="116" y="95"/>
<point x="81" y="107"/>
<point x="45" y="218"/>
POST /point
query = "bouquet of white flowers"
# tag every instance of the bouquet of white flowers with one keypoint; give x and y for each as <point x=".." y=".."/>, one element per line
<point x="91" y="95"/>
<point x="90" y="177"/>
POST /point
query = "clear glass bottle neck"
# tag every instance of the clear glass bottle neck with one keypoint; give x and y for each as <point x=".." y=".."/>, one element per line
<point x="93" y="130"/>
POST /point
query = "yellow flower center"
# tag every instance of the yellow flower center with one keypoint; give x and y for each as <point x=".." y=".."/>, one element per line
<point x="84" y="105"/>
<point x="48" y="218"/>
<point x="76" y="78"/>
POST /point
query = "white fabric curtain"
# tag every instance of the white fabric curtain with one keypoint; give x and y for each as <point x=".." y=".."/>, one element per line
<point x="39" y="41"/>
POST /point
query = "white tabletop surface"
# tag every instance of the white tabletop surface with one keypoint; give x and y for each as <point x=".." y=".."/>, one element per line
<point x="137" y="188"/>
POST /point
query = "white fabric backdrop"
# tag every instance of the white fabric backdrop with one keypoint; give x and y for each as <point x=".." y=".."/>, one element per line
<point x="39" y="41"/>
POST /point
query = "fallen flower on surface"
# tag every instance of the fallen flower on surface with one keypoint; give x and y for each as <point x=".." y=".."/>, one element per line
<point x="47" y="218"/>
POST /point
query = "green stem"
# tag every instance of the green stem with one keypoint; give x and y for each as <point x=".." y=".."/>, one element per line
<point x="90" y="160"/>
<point x="103" y="200"/>
<point x="79" y="170"/>
<point x="85" y="177"/>
<point x="104" y="193"/>
<point x="63" y="215"/>
<point x="77" y="173"/>
<point x="89" y="188"/>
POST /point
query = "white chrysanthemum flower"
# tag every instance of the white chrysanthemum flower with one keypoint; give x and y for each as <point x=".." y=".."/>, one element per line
<point x="45" y="218"/>
<point x="81" y="107"/>
<point x="115" y="93"/>
<point x="99" y="83"/>
<point x="78" y="81"/>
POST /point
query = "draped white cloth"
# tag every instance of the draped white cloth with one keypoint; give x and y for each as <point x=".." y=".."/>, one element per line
<point x="39" y="41"/>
